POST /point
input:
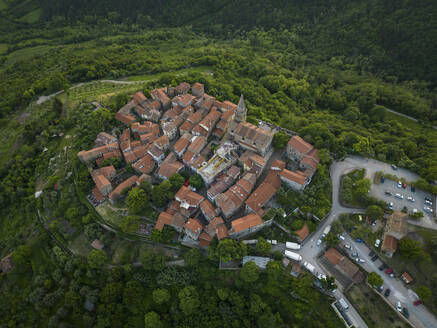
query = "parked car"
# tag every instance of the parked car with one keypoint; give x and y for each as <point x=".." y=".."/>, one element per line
<point x="387" y="292"/>
<point x="413" y="189"/>
<point x="340" y="237"/>
<point x="377" y="243"/>
<point x="374" y="258"/>
<point x="319" y="242"/>
<point x="389" y="271"/>
<point x="390" y="205"/>
<point x="427" y="209"/>
<point x="417" y="303"/>
<point x="400" y="196"/>
<point x="382" y="179"/>
<point x="387" y="192"/>
<point x="347" y="246"/>
<point x="405" y="312"/>
<point x="380" y="288"/>
<point x="371" y="253"/>
<point x="394" y="167"/>
<point x="358" y="240"/>
<point x="399" y="184"/>
<point x="321" y="276"/>
<point x="404" y="185"/>
<point x="428" y="201"/>
<point x="411" y="199"/>
<point x="360" y="260"/>
<point x="355" y="254"/>
<point x="399" y="306"/>
<point x="382" y="266"/>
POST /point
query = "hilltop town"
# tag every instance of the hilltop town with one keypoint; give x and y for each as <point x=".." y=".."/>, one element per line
<point x="183" y="128"/>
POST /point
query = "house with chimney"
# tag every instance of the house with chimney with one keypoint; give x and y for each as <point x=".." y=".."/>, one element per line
<point x="232" y="199"/>
<point x="304" y="154"/>
<point x="223" y="182"/>
<point x="249" y="136"/>
<point x="193" y="228"/>
<point x="188" y="199"/>
<point x="126" y="184"/>
<point x="245" y="225"/>
<point x="198" y="89"/>
<point x="215" y="228"/>
<point x="395" y="229"/>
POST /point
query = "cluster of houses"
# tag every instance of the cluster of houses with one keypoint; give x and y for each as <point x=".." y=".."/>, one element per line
<point x="176" y="130"/>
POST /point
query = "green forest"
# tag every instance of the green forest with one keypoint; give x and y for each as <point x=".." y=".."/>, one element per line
<point x="328" y="70"/>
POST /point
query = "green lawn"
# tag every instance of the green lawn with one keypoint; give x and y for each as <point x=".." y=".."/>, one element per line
<point x="375" y="312"/>
<point x="31" y="17"/>
<point x="80" y="245"/>
<point x="403" y="120"/>
<point x="3" y="47"/>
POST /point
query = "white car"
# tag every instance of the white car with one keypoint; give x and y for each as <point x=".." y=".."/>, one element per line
<point x="319" y="242"/>
<point x="399" y="306"/>
<point x="399" y="196"/>
<point x="360" y="260"/>
<point x="321" y="276"/>
<point x="377" y="243"/>
<point x="347" y="246"/>
<point x="399" y="184"/>
<point x="427" y="209"/>
<point x="390" y="205"/>
<point x="411" y="199"/>
<point x="340" y="237"/>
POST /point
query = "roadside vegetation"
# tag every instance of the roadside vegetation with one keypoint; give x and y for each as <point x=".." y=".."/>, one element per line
<point x="373" y="309"/>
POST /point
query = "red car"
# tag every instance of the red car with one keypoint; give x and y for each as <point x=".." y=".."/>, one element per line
<point x="187" y="182"/>
<point x="389" y="270"/>
<point x="404" y="185"/>
<point x="416" y="303"/>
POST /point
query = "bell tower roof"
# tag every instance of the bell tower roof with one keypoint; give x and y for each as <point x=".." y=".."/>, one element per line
<point x="241" y="113"/>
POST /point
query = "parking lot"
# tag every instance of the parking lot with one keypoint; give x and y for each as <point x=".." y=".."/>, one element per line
<point x="419" y="315"/>
<point x="379" y="191"/>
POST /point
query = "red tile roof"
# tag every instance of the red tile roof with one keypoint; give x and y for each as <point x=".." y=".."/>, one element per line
<point x="163" y="219"/>
<point x="144" y="165"/>
<point x="298" y="176"/>
<point x="193" y="225"/>
<point x="167" y="169"/>
<point x="207" y="209"/>
<point x="300" y="145"/>
<point x="260" y="197"/>
<point x="139" y="97"/>
<point x="246" y="222"/>
<point x="125" y="184"/>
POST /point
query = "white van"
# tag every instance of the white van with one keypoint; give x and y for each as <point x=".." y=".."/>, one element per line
<point x="343" y="304"/>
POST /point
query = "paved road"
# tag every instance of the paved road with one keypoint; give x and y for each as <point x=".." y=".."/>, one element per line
<point x="419" y="315"/>
<point x="310" y="252"/>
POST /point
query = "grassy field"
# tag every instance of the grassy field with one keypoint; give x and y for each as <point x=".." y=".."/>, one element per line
<point x="375" y="312"/>
<point x="31" y="17"/>
<point x="3" y="48"/>
<point x="110" y="214"/>
<point x="80" y="245"/>
<point x="403" y="120"/>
